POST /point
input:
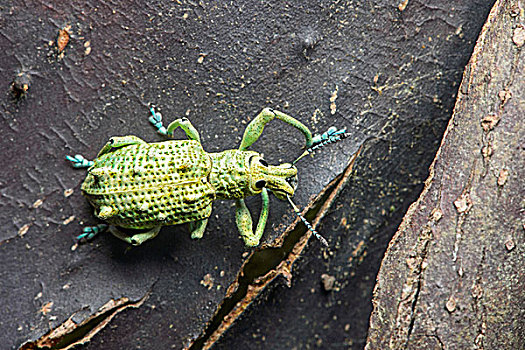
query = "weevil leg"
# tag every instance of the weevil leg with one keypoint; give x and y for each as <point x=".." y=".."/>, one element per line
<point x="89" y="232"/>
<point x="136" y="239"/>
<point x="183" y="123"/>
<point x="119" y="142"/>
<point x="255" y="128"/>
<point x="78" y="161"/>
<point x="244" y="222"/>
<point x="197" y="228"/>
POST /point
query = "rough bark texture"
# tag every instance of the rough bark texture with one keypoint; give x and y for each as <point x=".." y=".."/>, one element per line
<point x="453" y="276"/>
<point x="384" y="69"/>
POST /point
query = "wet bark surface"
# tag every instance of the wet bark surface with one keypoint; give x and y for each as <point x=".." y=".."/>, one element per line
<point x="452" y="277"/>
<point x="75" y="74"/>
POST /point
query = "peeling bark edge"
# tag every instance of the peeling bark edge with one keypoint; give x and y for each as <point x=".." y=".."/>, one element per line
<point x="285" y="267"/>
<point x="58" y="338"/>
<point x="401" y="329"/>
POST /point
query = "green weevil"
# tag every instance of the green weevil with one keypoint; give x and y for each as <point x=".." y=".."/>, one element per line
<point x="142" y="186"/>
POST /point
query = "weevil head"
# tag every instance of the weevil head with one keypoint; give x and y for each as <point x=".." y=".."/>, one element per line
<point x="281" y="179"/>
<point x="238" y="174"/>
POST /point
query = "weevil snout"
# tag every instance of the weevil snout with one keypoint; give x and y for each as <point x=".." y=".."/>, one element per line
<point x="280" y="179"/>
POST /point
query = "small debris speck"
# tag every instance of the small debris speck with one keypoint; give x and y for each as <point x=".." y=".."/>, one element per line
<point x="402" y="5"/>
<point x="504" y="96"/>
<point x="201" y="58"/>
<point x="463" y="203"/>
<point x="489" y="122"/>
<point x="23" y="230"/>
<point x="333" y="107"/>
<point x="68" y="192"/>
<point x="46" y="308"/>
<point x="509" y="244"/>
<point x="519" y="36"/>
<point x="68" y="220"/>
<point x="328" y="282"/>
<point x="502" y="177"/>
<point x="451" y="305"/>
<point x="487" y="151"/>
<point x="38" y="203"/>
<point x="436" y="214"/>
<point x="477" y="291"/>
<point x="207" y="281"/>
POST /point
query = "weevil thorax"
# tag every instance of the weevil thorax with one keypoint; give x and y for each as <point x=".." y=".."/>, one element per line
<point x="238" y="174"/>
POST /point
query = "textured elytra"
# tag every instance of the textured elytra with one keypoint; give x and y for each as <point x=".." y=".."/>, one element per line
<point x="141" y="185"/>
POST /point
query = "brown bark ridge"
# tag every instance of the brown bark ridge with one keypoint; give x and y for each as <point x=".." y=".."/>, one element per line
<point x="453" y="277"/>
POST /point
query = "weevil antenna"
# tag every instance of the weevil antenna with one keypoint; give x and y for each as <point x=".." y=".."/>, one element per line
<point x="331" y="136"/>
<point x="307" y="224"/>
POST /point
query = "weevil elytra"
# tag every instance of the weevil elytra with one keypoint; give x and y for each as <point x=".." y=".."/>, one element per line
<point x="144" y="186"/>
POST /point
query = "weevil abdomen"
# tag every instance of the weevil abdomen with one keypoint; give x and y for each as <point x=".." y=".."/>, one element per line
<point x="144" y="185"/>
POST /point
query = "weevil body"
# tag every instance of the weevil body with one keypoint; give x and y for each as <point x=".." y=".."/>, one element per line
<point x="144" y="186"/>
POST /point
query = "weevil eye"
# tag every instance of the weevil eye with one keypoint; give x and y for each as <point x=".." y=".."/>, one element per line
<point x="263" y="162"/>
<point x="260" y="184"/>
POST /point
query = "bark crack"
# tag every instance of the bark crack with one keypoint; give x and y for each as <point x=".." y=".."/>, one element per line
<point x="70" y="334"/>
<point x="416" y="262"/>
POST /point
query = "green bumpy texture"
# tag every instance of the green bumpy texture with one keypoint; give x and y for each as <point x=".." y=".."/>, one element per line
<point x="142" y="185"/>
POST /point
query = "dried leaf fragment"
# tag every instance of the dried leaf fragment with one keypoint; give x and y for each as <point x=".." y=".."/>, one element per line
<point x="63" y="38"/>
<point x="402" y="5"/>
<point x="46" y="308"/>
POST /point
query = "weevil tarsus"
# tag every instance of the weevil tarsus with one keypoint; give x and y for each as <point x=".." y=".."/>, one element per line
<point x="156" y="120"/>
<point x="318" y="141"/>
<point x="89" y="232"/>
<point x="78" y="161"/>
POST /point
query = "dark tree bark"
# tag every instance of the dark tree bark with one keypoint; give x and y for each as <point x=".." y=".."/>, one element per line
<point x="453" y="275"/>
<point x="76" y="73"/>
